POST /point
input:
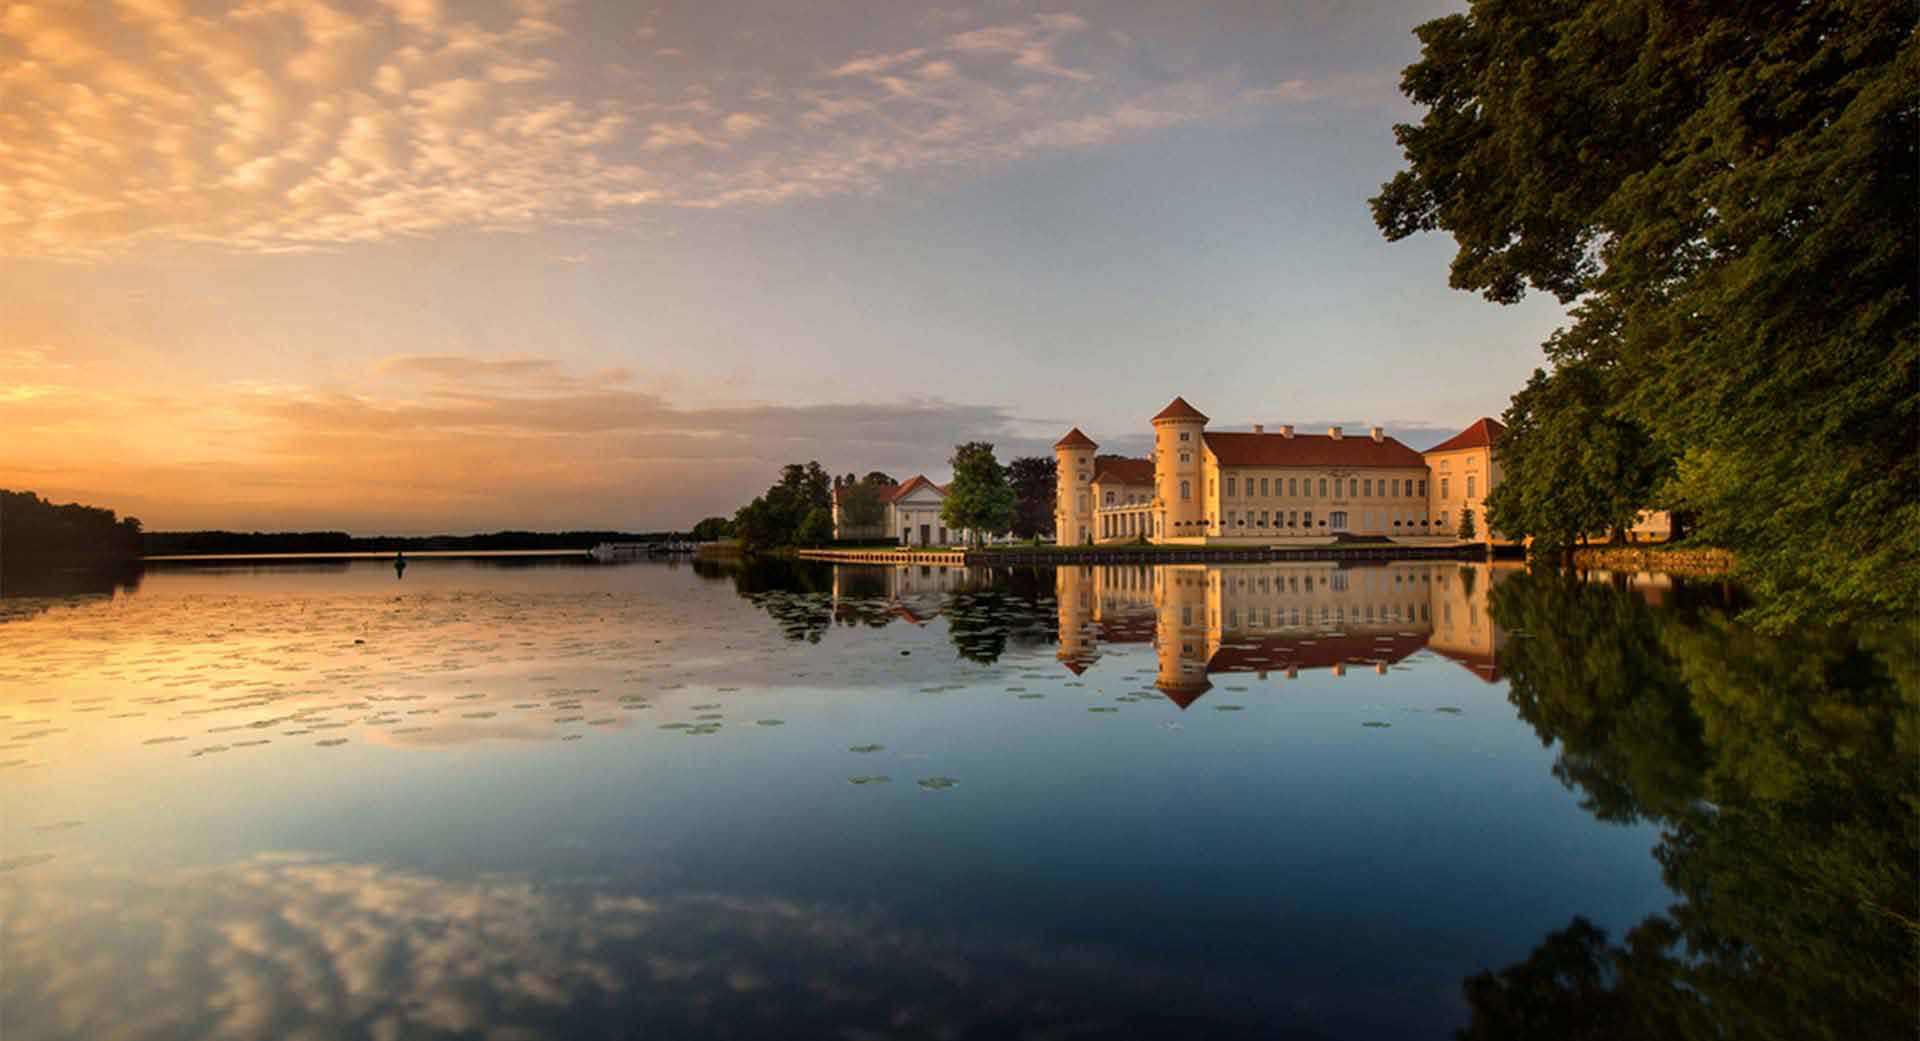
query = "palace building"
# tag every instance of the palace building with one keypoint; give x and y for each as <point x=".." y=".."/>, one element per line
<point x="1212" y="487"/>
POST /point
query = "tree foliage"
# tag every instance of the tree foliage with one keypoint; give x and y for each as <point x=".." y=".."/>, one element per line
<point x="1730" y="191"/>
<point x="1570" y="467"/>
<point x="1467" y="532"/>
<point x="979" y="500"/>
<point x="861" y="505"/>
<point x="774" y="519"/>
<point x="1035" y="480"/>
<point x="712" y="529"/>
<point x="33" y="531"/>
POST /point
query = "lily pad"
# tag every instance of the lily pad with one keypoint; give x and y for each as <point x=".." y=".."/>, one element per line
<point x="869" y="779"/>
<point x="937" y="784"/>
<point x="867" y="749"/>
<point x="1376" y="724"/>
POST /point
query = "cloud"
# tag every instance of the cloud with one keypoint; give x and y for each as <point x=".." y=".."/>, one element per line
<point x="276" y="126"/>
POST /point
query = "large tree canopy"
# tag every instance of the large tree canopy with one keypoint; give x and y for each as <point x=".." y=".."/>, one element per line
<point x="1729" y="191"/>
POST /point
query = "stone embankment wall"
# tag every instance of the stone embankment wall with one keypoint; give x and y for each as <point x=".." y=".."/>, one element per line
<point x="1678" y="561"/>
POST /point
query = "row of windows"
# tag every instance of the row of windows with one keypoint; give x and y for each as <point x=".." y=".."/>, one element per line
<point x="1304" y="519"/>
<point x="1358" y="487"/>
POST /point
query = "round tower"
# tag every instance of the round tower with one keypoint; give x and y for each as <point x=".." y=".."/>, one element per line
<point x="1073" y="492"/>
<point x="1179" y="435"/>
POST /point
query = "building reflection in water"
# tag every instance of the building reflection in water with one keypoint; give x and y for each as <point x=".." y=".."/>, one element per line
<point x="1204" y="620"/>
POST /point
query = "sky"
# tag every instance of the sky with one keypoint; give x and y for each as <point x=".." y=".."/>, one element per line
<point x="410" y="266"/>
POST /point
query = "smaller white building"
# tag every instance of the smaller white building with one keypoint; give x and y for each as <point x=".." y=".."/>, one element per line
<point x="912" y="516"/>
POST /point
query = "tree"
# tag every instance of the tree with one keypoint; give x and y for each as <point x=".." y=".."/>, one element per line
<point x="879" y="478"/>
<point x="1569" y="466"/>
<point x="1729" y="191"/>
<point x="712" y="529"/>
<point x="815" y="529"/>
<point x="1034" y="479"/>
<point x="979" y="500"/>
<point x="1467" y="532"/>
<point x="861" y="505"/>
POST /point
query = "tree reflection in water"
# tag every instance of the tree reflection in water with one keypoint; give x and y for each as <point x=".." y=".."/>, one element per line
<point x="1782" y="772"/>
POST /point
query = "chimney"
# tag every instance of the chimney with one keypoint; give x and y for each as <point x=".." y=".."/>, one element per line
<point x="1378" y="434"/>
<point x="1286" y="430"/>
<point x="1258" y="429"/>
<point x="1333" y="432"/>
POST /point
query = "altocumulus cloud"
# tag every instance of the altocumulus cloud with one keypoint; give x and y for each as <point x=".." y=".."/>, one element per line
<point x="277" y="125"/>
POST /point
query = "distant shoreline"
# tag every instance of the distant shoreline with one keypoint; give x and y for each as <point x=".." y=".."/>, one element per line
<point x="367" y="554"/>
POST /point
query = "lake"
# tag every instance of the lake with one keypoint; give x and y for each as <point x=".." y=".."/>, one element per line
<point x="538" y="797"/>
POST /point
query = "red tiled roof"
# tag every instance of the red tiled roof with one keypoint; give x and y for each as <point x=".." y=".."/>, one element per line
<point x="904" y="488"/>
<point x="1309" y="450"/>
<point x="1179" y="409"/>
<point x="1123" y="470"/>
<point x="1482" y="434"/>
<point x="1075" y="439"/>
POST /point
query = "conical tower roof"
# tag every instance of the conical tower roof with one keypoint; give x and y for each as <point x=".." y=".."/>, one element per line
<point x="1179" y="409"/>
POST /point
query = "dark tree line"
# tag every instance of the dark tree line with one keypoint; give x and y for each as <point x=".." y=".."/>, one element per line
<point x="1729" y="193"/>
<point x="36" y="532"/>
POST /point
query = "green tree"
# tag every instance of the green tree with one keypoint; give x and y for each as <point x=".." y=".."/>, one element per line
<point x="979" y="501"/>
<point x="861" y="505"/>
<point x="712" y="528"/>
<point x="1467" y="532"/>
<point x="1570" y="468"/>
<point x="1729" y="191"/>
<point x="816" y="529"/>
<point x="1034" y="479"/>
<point x="880" y="478"/>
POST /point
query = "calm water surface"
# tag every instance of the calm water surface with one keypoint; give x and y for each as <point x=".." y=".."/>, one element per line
<point x="539" y="798"/>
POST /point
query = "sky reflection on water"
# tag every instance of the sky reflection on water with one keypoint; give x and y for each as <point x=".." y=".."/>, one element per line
<point x="559" y="800"/>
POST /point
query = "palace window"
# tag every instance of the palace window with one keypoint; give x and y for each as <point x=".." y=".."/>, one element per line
<point x="1186" y="489"/>
<point x="1323" y="487"/>
<point x="1443" y="495"/>
<point x="1186" y="435"/>
<point x="1306" y="518"/>
<point x="1109" y="498"/>
<point x="1368" y="485"/>
<point x="1353" y="487"/>
<point x="1469" y="486"/>
<point x="1393" y="488"/>
<point x="1186" y="457"/>
<point x="1423" y="489"/>
<point x="1230" y="487"/>
<point x="1293" y="486"/>
<point x="1292" y="517"/>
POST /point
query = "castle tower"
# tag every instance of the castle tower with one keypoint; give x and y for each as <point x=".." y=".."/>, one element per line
<point x="1179" y="434"/>
<point x="1073" y="495"/>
